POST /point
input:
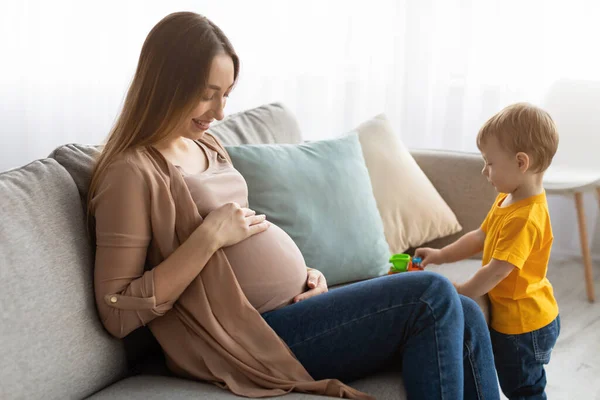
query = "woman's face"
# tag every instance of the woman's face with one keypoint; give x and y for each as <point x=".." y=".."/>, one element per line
<point x="212" y="101"/>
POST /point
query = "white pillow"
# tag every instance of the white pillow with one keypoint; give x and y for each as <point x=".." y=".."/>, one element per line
<point x="412" y="210"/>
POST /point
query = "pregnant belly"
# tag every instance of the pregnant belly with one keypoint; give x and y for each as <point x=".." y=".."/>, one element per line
<point x="269" y="268"/>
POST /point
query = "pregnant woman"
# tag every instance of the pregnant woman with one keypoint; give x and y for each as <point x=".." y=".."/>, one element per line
<point x="226" y="293"/>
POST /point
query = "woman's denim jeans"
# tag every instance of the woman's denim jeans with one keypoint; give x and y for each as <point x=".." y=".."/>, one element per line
<point x="415" y="320"/>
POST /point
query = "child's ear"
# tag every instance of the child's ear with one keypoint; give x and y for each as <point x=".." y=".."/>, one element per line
<point x="523" y="161"/>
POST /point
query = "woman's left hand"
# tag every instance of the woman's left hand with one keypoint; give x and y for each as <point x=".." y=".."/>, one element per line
<point x="316" y="285"/>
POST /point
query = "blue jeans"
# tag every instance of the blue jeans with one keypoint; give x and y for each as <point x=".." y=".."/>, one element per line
<point x="520" y="360"/>
<point x="415" y="320"/>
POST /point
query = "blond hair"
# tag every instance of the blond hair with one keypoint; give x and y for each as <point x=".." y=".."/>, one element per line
<point x="171" y="75"/>
<point x="523" y="127"/>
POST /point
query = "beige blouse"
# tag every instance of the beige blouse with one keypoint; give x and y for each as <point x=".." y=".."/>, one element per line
<point x="143" y="211"/>
<point x="269" y="267"/>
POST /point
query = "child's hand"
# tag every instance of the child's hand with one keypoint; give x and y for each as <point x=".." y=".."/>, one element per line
<point x="429" y="256"/>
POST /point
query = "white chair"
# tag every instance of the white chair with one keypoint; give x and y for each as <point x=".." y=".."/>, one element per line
<point x="575" y="108"/>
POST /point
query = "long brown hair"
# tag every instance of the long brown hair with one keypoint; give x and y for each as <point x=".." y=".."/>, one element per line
<point x="171" y="75"/>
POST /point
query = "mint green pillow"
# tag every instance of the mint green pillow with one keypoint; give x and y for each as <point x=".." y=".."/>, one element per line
<point x="320" y="194"/>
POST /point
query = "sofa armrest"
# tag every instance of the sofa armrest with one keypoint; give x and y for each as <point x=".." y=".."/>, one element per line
<point x="457" y="177"/>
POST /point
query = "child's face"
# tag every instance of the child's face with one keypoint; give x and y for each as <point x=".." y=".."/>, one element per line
<point x="501" y="166"/>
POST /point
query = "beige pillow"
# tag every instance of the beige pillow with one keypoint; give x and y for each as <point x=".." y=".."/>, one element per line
<point x="412" y="210"/>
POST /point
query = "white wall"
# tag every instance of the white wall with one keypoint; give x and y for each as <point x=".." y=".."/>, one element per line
<point x="437" y="68"/>
<point x="66" y="64"/>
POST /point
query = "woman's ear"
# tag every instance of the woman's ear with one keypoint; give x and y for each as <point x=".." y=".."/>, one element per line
<point x="523" y="161"/>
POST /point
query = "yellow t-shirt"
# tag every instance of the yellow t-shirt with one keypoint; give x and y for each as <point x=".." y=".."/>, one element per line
<point x="520" y="234"/>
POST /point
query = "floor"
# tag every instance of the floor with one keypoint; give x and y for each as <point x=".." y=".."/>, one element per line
<point x="574" y="371"/>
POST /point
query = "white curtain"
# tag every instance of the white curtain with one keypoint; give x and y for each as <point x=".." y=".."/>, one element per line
<point x="437" y="68"/>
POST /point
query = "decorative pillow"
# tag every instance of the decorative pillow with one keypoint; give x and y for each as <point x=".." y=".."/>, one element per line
<point x="412" y="210"/>
<point x="320" y="194"/>
<point x="269" y="123"/>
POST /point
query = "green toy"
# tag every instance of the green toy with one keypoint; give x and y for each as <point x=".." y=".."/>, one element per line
<point x="404" y="262"/>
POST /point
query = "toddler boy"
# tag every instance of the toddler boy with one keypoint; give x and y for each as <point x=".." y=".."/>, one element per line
<point x="517" y="145"/>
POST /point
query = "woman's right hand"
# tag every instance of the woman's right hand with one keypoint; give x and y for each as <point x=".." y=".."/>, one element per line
<point x="429" y="256"/>
<point x="230" y="224"/>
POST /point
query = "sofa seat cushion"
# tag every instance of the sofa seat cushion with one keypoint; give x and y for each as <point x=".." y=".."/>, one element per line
<point x="386" y="385"/>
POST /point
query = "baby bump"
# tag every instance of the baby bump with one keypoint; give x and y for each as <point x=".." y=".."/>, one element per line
<point x="269" y="268"/>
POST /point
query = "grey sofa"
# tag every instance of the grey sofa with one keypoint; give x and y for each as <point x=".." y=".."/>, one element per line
<point x="53" y="345"/>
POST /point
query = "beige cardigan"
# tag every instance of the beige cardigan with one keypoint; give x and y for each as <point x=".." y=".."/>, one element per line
<point x="143" y="212"/>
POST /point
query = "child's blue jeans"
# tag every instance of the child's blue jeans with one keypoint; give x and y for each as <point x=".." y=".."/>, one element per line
<point x="520" y="360"/>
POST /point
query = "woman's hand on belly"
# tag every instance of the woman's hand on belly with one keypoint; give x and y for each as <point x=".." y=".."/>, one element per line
<point x="231" y="224"/>
<point x="316" y="283"/>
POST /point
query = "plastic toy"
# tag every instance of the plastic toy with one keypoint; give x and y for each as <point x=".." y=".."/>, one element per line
<point x="403" y="263"/>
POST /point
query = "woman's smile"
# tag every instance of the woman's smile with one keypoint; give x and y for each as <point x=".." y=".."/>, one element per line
<point x="202" y="125"/>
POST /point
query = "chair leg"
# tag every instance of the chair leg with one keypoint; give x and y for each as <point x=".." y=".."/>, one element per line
<point x="585" y="248"/>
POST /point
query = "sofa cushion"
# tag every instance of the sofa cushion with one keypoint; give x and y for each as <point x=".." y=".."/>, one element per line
<point x="320" y="194"/>
<point x="412" y="210"/>
<point x="53" y="345"/>
<point x="78" y="160"/>
<point x="386" y="385"/>
<point x="270" y="123"/>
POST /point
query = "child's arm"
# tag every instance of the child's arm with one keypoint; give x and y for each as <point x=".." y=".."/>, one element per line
<point x="485" y="279"/>
<point x="468" y="245"/>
